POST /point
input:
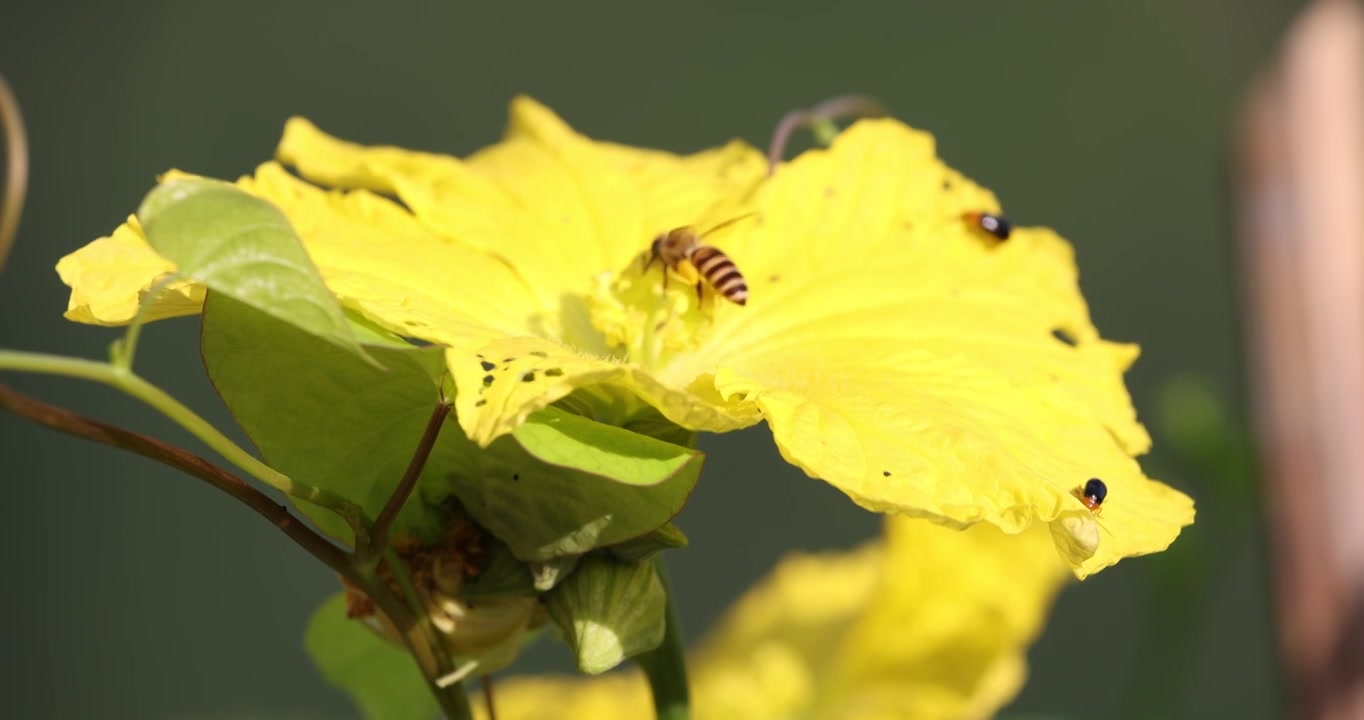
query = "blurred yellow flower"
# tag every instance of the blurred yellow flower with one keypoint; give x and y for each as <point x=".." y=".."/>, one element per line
<point x="926" y="623"/>
<point x="896" y="350"/>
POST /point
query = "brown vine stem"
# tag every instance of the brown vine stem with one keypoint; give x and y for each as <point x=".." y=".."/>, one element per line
<point x="16" y="169"/>
<point x="452" y="700"/>
<point x="378" y="537"/>
<point x="825" y="112"/>
<point x="72" y="424"/>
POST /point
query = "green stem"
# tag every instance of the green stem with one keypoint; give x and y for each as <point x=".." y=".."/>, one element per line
<point x="125" y="350"/>
<point x="454" y="701"/>
<point x="666" y="665"/>
<point x="124" y="380"/>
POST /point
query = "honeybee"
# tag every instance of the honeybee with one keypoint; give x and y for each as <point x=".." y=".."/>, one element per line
<point x="1093" y="494"/>
<point x="715" y="267"/>
<point x="996" y="225"/>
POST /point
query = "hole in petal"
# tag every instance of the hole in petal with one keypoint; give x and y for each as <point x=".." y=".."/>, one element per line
<point x="487" y="380"/>
<point x="487" y="365"/>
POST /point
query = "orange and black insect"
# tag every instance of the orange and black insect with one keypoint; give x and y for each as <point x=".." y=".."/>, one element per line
<point x="715" y="267"/>
<point x="1093" y="494"/>
<point x="996" y="225"/>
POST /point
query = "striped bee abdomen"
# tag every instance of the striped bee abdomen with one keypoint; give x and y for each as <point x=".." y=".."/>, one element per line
<point x="720" y="272"/>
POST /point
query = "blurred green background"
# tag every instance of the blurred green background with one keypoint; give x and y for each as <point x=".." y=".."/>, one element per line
<point x="133" y="592"/>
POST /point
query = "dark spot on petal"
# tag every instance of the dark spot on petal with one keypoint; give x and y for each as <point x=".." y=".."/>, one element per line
<point x="909" y="225"/>
<point x="539" y="354"/>
<point x="774" y="278"/>
<point x="487" y="380"/>
<point x="947" y="184"/>
<point x="479" y="356"/>
<point x="507" y="360"/>
<point x="554" y="372"/>
<point x="516" y="477"/>
<point x="480" y="403"/>
<point x="1063" y="336"/>
<point x="528" y="377"/>
<point x="828" y="192"/>
<point x="885" y="473"/>
<point x="487" y="365"/>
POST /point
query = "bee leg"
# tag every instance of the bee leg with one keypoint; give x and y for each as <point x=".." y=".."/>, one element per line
<point x="698" y="291"/>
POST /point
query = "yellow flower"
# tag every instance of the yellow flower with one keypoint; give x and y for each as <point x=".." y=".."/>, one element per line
<point x="894" y="349"/>
<point x="927" y="623"/>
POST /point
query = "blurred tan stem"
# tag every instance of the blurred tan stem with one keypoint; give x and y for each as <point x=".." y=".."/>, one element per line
<point x="1301" y="227"/>
<point x="16" y="169"/>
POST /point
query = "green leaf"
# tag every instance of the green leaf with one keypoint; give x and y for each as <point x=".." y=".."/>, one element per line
<point x="608" y="611"/>
<point x="383" y="680"/>
<point x="571" y="441"/>
<point x="563" y="485"/>
<point x="322" y="416"/>
<point x="242" y="246"/>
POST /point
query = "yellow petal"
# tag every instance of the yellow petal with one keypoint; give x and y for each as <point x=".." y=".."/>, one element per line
<point x="372" y="253"/>
<point x="110" y="277"/>
<point x="503" y="381"/>
<point x="930" y="623"/>
<point x="774" y="652"/>
<point x="556" y="207"/>
<point x="946" y="632"/>
<point x="908" y="358"/>
<point x="381" y="261"/>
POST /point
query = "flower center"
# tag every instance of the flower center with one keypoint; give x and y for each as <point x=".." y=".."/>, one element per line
<point x="650" y="315"/>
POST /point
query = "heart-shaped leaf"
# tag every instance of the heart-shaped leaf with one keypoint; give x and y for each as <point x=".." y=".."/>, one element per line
<point x="241" y="246"/>
<point x="381" y="678"/>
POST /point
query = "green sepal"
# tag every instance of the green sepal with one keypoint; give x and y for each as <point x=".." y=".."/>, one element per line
<point x="645" y="547"/>
<point x="501" y="574"/>
<point x="608" y="611"/>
